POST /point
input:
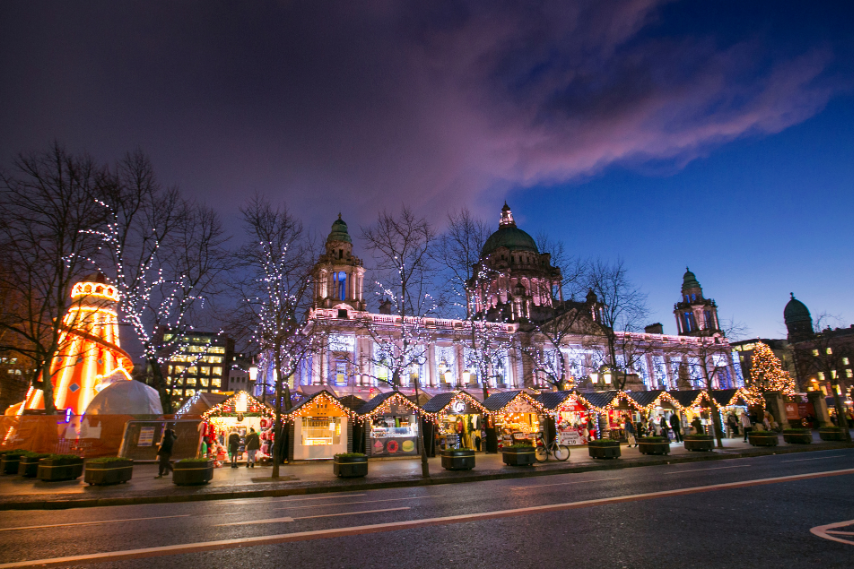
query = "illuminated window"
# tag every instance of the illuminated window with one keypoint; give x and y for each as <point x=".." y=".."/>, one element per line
<point x="205" y="370"/>
<point x="216" y="370"/>
<point x="341" y="373"/>
<point x="167" y="337"/>
<point x="815" y="352"/>
<point x="203" y="381"/>
<point x="171" y="369"/>
<point x="844" y="361"/>
<point x="849" y="373"/>
<point x="821" y="376"/>
<point x="216" y="350"/>
<point x="215" y="382"/>
<point x="189" y="392"/>
<point x="190" y="381"/>
<point x="829" y="351"/>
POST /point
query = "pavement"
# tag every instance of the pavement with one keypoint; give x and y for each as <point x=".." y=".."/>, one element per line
<point x="769" y="511"/>
<point x="316" y="477"/>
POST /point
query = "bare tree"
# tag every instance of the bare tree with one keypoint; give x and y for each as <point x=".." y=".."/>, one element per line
<point x="826" y="353"/>
<point x="167" y="256"/>
<point x="708" y="360"/>
<point x="620" y="311"/>
<point x="276" y="294"/>
<point x="400" y="245"/>
<point x="47" y="202"/>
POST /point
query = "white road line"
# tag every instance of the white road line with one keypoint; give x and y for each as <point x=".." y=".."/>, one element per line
<point x="819" y="458"/>
<point x="562" y="483"/>
<point x="277" y="501"/>
<point x="347" y="503"/>
<point x="841" y="532"/>
<point x="707" y="469"/>
<point x="824" y="531"/>
<point x="254" y="541"/>
<point x="288" y="519"/>
<point x="93" y="523"/>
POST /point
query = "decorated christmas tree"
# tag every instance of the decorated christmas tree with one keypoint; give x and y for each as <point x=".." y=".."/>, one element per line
<point x="766" y="373"/>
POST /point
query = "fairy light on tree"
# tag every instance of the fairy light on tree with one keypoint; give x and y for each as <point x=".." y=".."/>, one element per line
<point x="767" y="374"/>
<point x="165" y="255"/>
<point x="276" y="292"/>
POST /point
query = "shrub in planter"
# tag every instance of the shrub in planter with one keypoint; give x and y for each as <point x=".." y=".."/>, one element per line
<point x="763" y="438"/>
<point x="108" y="470"/>
<point x="190" y="471"/>
<point x="518" y="455"/>
<point x="654" y="445"/>
<point x="10" y="459"/>
<point x="797" y="436"/>
<point x="350" y="465"/>
<point x="831" y="434"/>
<point x="29" y="464"/>
<point x="58" y="467"/>
<point x="604" y="449"/>
<point x="457" y="459"/>
<point x="699" y="442"/>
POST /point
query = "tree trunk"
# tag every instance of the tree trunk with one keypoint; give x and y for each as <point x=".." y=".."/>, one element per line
<point x="716" y="420"/>
<point x="277" y="429"/>
<point x="160" y="385"/>
<point x="425" y="466"/>
<point x="841" y="419"/>
<point x="47" y="389"/>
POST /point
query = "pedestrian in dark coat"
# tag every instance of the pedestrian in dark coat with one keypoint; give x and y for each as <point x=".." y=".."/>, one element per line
<point x="676" y="426"/>
<point x="698" y="426"/>
<point x="233" y="447"/>
<point x="253" y="443"/>
<point x="164" y="453"/>
<point x="662" y="422"/>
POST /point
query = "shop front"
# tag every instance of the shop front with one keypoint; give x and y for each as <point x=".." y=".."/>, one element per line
<point x="240" y="413"/>
<point x="651" y="406"/>
<point x="571" y="416"/>
<point x="458" y="420"/>
<point x="390" y="425"/>
<point x="517" y="417"/>
<point x="320" y="427"/>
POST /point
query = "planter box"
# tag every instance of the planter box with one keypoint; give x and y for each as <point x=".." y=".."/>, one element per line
<point x="458" y="459"/>
<point x="9" y="465"/>
<point x="696" y="443"/>
<point x="831" y="435"/>
<point x="654" y="448"/>
<point x="798" y="438"/>
<point x="29" y="466"/>
<point x="104" y="473"/>
<point x="518" y="457"/>
<point x="604" y="451"/>
<point x="350" y="466"/>
<point x="51" y="470"/>
<point x="765" y="439"/>
<point x="191" y="473"/>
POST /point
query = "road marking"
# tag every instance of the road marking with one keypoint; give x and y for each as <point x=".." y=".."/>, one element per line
<point x="254" y="541"/>
<point x="93" y="523"/>
<point x="347" y="503"/>
<point x="288" y="519"/>
<point x="276" y="501"/>
<point x="561" y="483"/>
<point x="707" y="469"/>
<point x="819" y="458"/>
<point x="823" y="531"/>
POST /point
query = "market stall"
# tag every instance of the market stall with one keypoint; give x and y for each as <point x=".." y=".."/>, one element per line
<point x="237" y="414"/>
<point x="458" y="419"/>
<point x="571" y="415"/>
<point x="516" y="417"/>
<point x="390" y="424"/>
<point x="319" y="427"/>
<point x="652" y="406"/>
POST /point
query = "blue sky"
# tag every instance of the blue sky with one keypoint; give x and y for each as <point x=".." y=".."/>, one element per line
<point x="718" y="135"/>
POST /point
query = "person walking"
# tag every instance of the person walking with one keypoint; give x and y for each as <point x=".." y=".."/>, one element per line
<point x="164" y="453"/>
<point x="698" y="425"/>
<point x="746" y="425"/>
<point x="662" y="423"/>
<point x="676" y="426"/>
<point x="233" y="447"/>
<point x="253" y="443"/>
<point x="630" y="431"/>
<point x="732" y="423"/>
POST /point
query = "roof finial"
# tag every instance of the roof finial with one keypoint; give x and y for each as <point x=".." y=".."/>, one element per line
<point x="339" y="216"/>
<point x="792" y="295"/>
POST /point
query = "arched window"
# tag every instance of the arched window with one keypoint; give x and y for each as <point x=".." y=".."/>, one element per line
<point x="342" y="285"/>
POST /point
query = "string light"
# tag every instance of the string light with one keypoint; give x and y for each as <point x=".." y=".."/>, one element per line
<point x="766" y="373"/>
<point x="459" y="395"/>
<point x="308" y="408"/>
<point x="229" y="406"/>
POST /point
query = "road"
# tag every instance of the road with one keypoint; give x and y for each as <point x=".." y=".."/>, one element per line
<point x="755" y="512"/>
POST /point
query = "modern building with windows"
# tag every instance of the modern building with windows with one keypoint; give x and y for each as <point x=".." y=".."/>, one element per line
<point x="201" y="363"/>
<point x="522" y="289"/>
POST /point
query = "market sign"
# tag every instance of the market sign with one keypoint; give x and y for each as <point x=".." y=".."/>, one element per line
<point x="322" y="408"/>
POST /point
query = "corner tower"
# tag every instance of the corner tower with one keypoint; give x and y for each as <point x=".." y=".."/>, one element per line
<point x="798" y="320"/>
<point x="338" y="275"/>
<point x="695" y="314"/>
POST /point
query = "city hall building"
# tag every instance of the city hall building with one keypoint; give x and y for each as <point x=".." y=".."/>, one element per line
<point x="525" y="291"/>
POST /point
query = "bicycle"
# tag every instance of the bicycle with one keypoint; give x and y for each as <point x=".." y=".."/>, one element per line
<point x="542" y="450"/>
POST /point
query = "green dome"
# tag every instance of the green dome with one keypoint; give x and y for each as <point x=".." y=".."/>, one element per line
<point x="339" y="231"/>
<point x="796" y="311"/>
<point x="511" y="237"/>
<point x="689" y="280"/>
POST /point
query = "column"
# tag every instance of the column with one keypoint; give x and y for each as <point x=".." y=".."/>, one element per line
<point x="431" y="365"/>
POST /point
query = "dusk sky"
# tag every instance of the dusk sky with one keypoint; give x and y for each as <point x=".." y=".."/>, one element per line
<point x="718" y="135"/>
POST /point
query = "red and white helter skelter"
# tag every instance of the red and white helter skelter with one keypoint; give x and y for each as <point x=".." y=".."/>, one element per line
<point x="89" y="358"/>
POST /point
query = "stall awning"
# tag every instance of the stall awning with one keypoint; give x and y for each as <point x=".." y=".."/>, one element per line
<point x="324" y="398"/>
<point x="240" y="402"/>
<point x="688" y="398"/>
<point x="385" y="403"/>
<point x="441" y="402"/>
<point x="598" y="399"/>
<point x="513" y="402"/>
